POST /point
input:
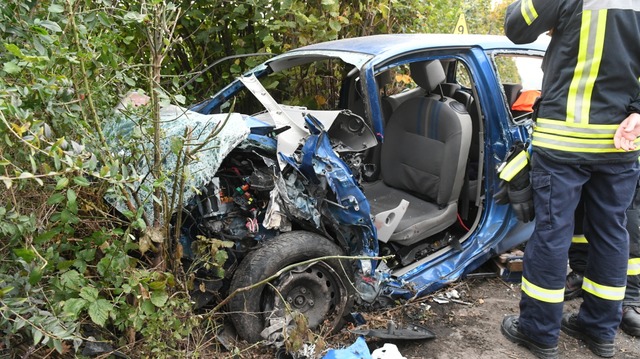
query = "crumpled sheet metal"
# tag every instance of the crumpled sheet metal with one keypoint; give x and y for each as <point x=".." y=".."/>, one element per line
<point x="175" y="121"/>
<point x="288" y="196"/>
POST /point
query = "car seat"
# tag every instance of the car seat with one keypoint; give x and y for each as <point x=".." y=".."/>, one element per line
<point x="511" y="91"/>
<point x="423" y="159"/>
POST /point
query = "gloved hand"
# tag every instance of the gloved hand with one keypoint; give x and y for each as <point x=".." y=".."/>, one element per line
<point x="515" y="185"/>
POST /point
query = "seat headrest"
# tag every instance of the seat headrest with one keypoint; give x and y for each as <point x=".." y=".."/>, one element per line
<point x="511" y="91"/>
<point x="428" y="74"/>
<point x="384" y="78"/>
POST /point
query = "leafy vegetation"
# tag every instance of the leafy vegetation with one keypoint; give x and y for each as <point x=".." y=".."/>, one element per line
<point x="73" y="270"/>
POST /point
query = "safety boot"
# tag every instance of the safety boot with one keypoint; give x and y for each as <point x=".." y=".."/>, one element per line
<point x="573" y="285"/>
<point x="599" y="347"/>
<point x="510" y="330"/>
<point x="631" y="320"/>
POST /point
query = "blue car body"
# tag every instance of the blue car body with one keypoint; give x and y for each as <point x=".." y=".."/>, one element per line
<point x="493" y="229"/>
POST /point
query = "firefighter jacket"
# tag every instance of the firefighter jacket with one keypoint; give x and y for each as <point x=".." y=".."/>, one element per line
<point x="591" y="74"/>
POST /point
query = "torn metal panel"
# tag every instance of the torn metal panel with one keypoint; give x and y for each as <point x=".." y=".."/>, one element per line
<point x="285" y="116"/>
<point x="350" y="210"/>
<point x="289" y="197"/>
<point x="288" y="140"/>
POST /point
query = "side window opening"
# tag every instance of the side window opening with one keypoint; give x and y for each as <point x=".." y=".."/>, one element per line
<point x="521" y="79"/>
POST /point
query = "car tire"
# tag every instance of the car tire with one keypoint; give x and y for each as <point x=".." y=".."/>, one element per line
<point x="322" y="291"/>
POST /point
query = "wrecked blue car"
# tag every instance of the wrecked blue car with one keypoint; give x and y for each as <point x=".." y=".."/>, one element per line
<point x="378" y="155"/>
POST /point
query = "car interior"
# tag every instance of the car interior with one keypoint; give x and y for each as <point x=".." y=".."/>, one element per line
<point x="431" y="157"/>
<point x="423" y="158"/>
<point x="432" y="153"/>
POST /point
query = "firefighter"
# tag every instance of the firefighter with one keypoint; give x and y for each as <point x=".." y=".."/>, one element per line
<point x="578" y="254"/>
<point x="584" y="142"/>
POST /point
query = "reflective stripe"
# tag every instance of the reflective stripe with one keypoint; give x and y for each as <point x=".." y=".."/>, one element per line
<point x="529" y="12"/>
<point x="542" y="294"/>
<point x="634" y="266"/>
<point x="575" y="129"/>
<point x="562" y="143"/>
<point x="514" y="166"/>
<point x="589" y="57"/>
<point x="603" y="291"/>
<point x="579" y="239"/>
<point x="611" y="4"/>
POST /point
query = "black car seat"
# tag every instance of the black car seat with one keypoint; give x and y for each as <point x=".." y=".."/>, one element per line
<point x="511" y="91"/>
<point x="449" y="89"/>
<point x="423" y="159"/>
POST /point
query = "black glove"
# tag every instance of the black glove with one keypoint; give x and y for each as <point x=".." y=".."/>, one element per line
<point x="515" y="185"/>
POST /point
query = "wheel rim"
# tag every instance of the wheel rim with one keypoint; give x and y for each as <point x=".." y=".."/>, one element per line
<point x="315" y="290"/>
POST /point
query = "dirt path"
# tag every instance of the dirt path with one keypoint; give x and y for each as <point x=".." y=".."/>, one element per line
<point x="473" y="331"/>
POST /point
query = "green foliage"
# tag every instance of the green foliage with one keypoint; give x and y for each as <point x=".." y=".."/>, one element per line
<point x="210" y="254"/>
<point x="211" y="30"/>
<point x="70" y="260"/>
<point x="485" y="16"/>
<point x="26" y="309"/>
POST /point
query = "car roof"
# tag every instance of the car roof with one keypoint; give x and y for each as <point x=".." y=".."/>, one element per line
<point x="389" y="44"/>
<point x="377" y="48"/>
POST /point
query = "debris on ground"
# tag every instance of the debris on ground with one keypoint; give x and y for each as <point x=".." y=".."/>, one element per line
<point x="388" y="351"/>
<point x="451" y="296"/>
<point x="395" y="332"/>
<point x="508" y="265"/>
<point x="359" y="350"/>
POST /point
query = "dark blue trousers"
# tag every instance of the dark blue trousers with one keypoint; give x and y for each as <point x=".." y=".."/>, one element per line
<point x="632" y="294"/>
<point x="607" y="191"/>
<point x="579" y="252"/>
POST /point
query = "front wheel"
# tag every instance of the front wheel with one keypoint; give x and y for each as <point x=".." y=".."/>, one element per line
<point x="322" y="291"/>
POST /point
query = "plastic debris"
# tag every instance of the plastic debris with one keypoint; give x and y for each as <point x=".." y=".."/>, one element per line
<point x="388" y="351"/>
<point x="411" y="332"/>
<point x="440" y="299"/>
<point x="450" y="296"/>
<point x="357" y="350"/>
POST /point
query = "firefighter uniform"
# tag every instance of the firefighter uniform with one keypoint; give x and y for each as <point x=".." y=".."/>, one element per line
<point x="579" y="250"/>
<point x="591" y="84"/>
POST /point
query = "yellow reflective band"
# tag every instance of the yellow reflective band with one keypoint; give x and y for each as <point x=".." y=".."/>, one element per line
<point x="579" y="239"/>
<point x="590" y="131"/>
<point x="514" y="166"/>
<point x="586" y="71"/>
<point x="603" y="291"/>
<point x="562" y="143"/>
<point x="577" y="72"/>
<point x="634" y="266"/>
<point x="542" y="294"/>
<point x="595" y="65"/>
<point x="529" y="12"/>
